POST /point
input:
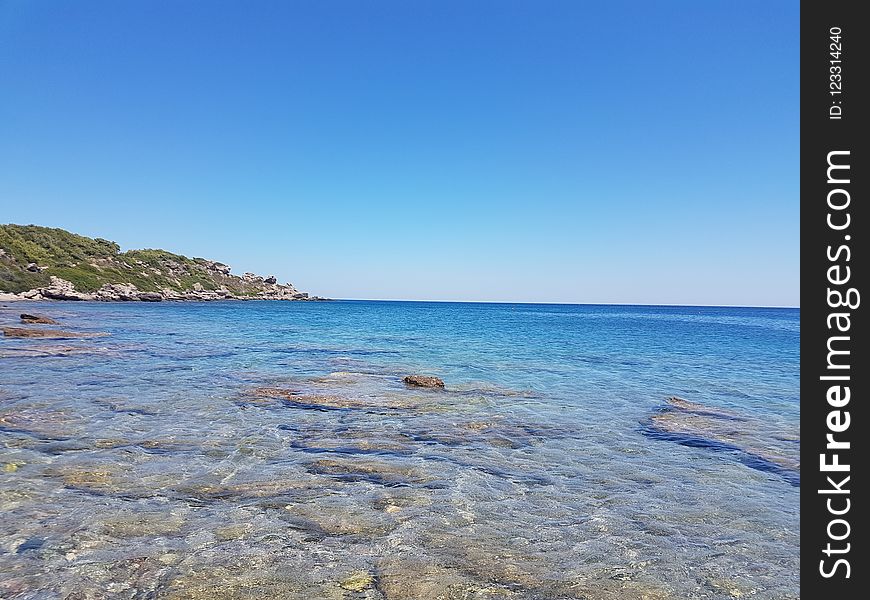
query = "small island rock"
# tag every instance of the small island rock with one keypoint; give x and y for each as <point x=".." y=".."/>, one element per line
<point x="426" y="381"/>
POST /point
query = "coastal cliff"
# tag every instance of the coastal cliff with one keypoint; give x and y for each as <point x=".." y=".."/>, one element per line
<point x="41" y="263"/>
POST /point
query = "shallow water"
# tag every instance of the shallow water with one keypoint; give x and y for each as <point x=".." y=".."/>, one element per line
<point x="270" y="449"/>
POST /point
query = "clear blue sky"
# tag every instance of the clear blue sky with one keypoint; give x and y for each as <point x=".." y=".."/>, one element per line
<point x="637" y="152"/>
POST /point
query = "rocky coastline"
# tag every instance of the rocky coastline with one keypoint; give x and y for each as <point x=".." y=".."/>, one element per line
<point x="40" y="263"/>
<point x="63" y="290"/>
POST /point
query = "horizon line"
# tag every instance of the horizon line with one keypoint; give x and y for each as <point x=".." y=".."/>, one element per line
<point x="675" y="305"/>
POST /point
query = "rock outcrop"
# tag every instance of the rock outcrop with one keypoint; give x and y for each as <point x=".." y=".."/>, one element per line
<point x="425" y="381"/>
<point x="60" y="289"/>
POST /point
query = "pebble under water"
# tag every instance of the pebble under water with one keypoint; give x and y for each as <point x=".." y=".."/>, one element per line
<point x="271" y="450"/>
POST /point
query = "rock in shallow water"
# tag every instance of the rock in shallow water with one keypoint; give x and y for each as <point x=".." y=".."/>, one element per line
<point x="426" y="381"/>
<point x="753" y="442"/>
<point x="405" y="577"/>
<point x="337" y="515"/>
<point x="20" y="332"/>
<point x="136" y="523"/>
<point x="28" y="319"/>
<point x="358" y="582"/>
<point x="372" y="471"/>
<point x="53" y="350"/>
<point x="271" y="397"/>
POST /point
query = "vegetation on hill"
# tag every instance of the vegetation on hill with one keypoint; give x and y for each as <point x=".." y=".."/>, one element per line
<point x="30" y="255"/>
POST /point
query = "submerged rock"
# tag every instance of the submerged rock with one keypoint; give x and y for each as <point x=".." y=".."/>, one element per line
<point x="372" y="471"/>
<point x="286" y="397"/>
<point x="52" y="350"/>
<point x="271" y="397"/>
<point x="94" y="478"/>
<point x="426" y="381"/>
<point x="41" y="424"/>
<point x="232" y="532"/>
<point x="247" y="490"/>
<point x="358" y="582"/>
<point x="250" y="579"/>
<point x="20" y="332"/>
<point x="129" y="524"/>
<point x="403" y="577"/>
<point x="754" y="443"/>
<point x="337" y="516"/>
<point x="349" y="442"/>
<point x="701" y="409"/>
<point x="37" y="319"/>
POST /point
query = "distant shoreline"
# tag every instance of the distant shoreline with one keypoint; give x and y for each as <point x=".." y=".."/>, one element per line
<point x="7" y="297"/>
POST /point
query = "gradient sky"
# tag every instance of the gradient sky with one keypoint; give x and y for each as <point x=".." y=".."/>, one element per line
<point x="545" y="151"/>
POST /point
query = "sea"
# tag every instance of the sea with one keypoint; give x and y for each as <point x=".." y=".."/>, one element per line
<point x="270" y="449"/>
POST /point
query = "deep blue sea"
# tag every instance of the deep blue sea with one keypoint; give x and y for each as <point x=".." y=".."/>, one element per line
<point x="271" y="450"/>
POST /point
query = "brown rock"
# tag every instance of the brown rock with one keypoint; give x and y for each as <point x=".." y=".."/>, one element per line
<point x="34" y="319"/>
<point x="20" y="332"/>
<point x="426" y="381"/>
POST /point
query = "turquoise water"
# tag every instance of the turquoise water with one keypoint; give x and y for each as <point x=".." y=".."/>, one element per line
<point x="270" y="449"/>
